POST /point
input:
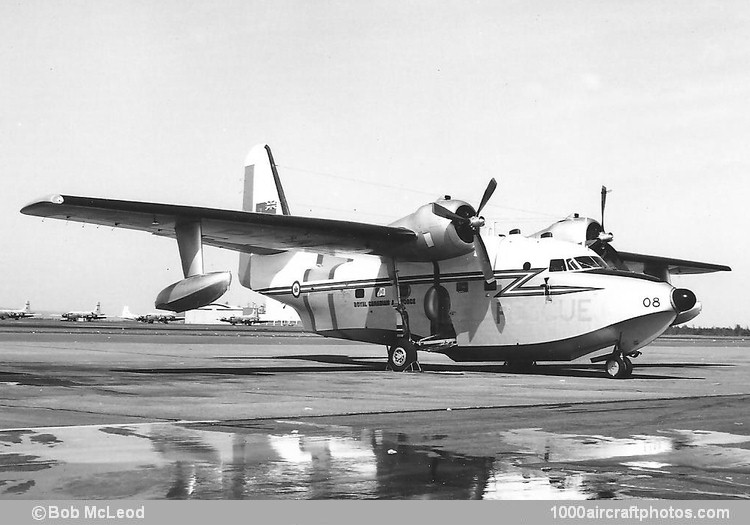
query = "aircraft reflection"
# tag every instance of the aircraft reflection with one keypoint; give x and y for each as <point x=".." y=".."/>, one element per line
<point x="296" y="460"/>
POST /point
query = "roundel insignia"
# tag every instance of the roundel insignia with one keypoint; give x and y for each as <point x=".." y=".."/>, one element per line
<point x="295" y="289"/>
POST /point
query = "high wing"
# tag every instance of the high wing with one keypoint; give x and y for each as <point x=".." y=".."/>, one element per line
<point x="241" y="231"/>
<point x="639" y="262"/>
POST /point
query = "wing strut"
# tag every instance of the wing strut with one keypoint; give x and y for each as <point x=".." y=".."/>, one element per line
<point x="197" y="289"/>
<point x="190" y="243"/>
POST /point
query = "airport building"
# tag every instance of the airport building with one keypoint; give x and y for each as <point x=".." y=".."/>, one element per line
<point x="273" y="313"/>
<point x="211" y="314"/>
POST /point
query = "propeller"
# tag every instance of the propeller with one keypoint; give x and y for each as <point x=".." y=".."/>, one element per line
<point x="604" y="202"/>
<point x="601" y="242"/>
<point x="468" y="225"/>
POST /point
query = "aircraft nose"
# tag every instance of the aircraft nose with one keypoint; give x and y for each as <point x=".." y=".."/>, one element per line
<point x="683" y="299"/>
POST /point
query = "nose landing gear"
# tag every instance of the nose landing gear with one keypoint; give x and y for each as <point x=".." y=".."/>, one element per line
<point x="618" y="364"/>
<point x="619" y="367"/>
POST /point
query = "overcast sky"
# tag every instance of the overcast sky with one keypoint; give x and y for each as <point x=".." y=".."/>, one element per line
<point x="372" y="109"/>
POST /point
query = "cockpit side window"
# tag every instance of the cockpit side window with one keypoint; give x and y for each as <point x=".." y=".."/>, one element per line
<point x="586" y="262"/>
<point x="572" y="265"/>
<point x="557" y="265"/>
<point x="600" y="262"/>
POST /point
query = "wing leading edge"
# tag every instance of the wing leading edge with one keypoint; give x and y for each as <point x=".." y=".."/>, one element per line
<point x="241" y="231"/>
<point x="673" y="266"/>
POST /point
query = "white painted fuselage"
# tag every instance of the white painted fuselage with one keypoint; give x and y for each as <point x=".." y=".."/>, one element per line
<point x="533" y="313"/>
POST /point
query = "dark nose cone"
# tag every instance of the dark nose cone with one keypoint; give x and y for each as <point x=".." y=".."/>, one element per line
<point x="683" y="299"/>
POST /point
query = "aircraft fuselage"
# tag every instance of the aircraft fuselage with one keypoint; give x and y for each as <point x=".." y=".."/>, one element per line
<point x="534" y="313"/>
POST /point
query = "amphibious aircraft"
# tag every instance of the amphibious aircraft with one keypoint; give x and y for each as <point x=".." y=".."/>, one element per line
<point x="93" y="315"/>
<point x="17" y="314"/>
<point x="151" y="317"/>
<point x="429" y="281"/>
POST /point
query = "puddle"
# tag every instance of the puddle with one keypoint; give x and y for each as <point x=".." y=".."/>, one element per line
<point x="296" y="460"/>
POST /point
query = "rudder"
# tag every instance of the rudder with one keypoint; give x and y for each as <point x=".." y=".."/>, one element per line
<point x="263" y="193"/>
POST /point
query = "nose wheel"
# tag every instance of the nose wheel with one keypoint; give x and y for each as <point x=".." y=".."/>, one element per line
<point x="617" y="364"/>
<point x="619" y="367"/>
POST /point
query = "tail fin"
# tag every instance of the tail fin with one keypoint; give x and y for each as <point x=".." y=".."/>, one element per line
<point x="263" y="193"/>
<point x="27" y="307"/>
<point x="98" y="308"/>
<point x="126" y="313"/>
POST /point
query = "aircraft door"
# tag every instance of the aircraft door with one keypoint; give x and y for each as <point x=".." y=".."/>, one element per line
<point x="437" y="307"/>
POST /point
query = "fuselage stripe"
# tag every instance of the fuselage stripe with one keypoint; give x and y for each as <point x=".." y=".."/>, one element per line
<point x="516" y="288"/>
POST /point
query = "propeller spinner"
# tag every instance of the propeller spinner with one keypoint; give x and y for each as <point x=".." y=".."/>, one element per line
<point x="471" y="222"/>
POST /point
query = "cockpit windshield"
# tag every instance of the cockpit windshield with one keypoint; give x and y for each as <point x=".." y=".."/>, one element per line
<point x="573" y="264"/>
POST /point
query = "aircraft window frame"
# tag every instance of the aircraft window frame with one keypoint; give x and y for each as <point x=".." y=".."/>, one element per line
<point x="571" y="264"/>
<point x="601" y="262"/>
<point x="586" y="262"/>
<point x="557" y="265"/>
<point x="404" y="290"/>
<point x="462" y="286"/>
<point x="359" y="293"/>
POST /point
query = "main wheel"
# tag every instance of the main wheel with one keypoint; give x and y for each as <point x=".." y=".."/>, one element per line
<point x="616" y="368"/>
<point x="401" y="356"/>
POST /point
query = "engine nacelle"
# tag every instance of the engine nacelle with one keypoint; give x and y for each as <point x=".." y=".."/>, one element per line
<point x="579" y="230"/>
<point x="437" y="238"/>
<point x="193" y="292"/>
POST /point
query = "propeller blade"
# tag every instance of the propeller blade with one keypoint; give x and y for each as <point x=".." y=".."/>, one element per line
<point x="484" y="259"/>
<point x="604" y="202"/>
<point x="607" y="252"/>
<point x="487" y="194"/>
<point x="445" y="213"/>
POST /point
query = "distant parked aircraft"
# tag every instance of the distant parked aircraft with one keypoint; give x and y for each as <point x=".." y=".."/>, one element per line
<point x="241" y="319"/>
<point x="17" y="314"/>
<point x="85" y="316"/>
<point x="151" y="317"/>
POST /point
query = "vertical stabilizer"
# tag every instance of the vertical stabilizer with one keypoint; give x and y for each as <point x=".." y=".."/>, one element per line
<point x="263" y="193"/>
<point x="98" y="310"/>
<point x="263" y="190"/>
<point x="27" y="307"/>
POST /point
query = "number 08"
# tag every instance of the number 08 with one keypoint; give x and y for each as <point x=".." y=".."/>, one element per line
<point x="647" y="302"/>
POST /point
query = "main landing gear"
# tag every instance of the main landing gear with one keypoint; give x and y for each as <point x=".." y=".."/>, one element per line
<point x="403" y="356"/>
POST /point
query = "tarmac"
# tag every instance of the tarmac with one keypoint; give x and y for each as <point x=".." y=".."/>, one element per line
<point x="111" y="410"/>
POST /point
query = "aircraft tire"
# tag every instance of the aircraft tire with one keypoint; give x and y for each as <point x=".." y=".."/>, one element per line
<point x="616" y="368"/>
<point x="628" y="367"/>
<point x="401" y="356"/>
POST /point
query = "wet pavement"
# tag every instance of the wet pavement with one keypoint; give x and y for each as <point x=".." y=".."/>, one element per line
<point x="462" y="454"/>
<point x="110" y="412"/>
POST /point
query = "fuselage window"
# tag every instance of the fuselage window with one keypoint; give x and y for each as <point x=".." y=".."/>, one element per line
<point x="462" y="286"/>
<point x="359" y="293"/>
<point x="404" y="290"/>
<point x="557" y="265"/>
